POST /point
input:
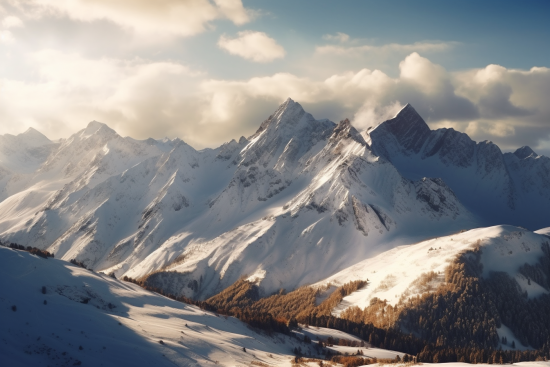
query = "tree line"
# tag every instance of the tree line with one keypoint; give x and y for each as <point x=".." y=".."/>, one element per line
<point x="33" y="250"/>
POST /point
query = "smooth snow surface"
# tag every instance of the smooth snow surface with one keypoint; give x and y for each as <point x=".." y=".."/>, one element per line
<point x="392" y="274"/>
<point x="116" y="323"/>
<point x="296" y="202"/>
<point x="319" y="333"/>
<point x="504" y="331"/>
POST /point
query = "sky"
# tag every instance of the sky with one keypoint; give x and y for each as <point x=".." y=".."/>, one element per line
<point x="208" y="71"/>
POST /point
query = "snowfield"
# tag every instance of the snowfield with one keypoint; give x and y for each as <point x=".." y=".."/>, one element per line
<point x="392" y="274"/>
<point x="116" y="323"/>
<point x="90" y="319"/>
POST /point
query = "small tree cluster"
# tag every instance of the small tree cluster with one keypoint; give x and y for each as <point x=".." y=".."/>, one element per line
<point x="349" y="361"/>
<point x="78" y="263"/>
<point x="33" y="250"/>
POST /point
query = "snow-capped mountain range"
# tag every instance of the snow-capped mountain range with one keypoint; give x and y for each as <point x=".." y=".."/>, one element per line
<point x="510" y="188"/>
<point x="293" y="204"/>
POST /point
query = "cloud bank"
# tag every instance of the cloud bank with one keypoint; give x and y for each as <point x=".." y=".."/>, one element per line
<point x="143" y="99"/>
<point x="143" y="17"/>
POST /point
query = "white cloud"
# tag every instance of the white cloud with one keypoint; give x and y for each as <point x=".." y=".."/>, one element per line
<point x="507" y="92"/>
<point x="144" y="17"/>
<point x="457" y="100"/>
<point x="371" y="114"/>
<point x="356" y="51"/>
<point x="234" y="11"/>
<point x="254" y="46"/>
<point x="144" y="99"/>
<point x="497" y="129"/>
<point x="338" y="37"/>
<point x="11" y="22"/>
<point x="6" y="37"/>
<point x="431" y="78"/>
<point x="136" y="97"/>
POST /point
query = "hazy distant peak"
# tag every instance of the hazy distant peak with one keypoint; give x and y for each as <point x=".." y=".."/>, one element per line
<point x="524" y="152"/>
<point x="31" y="130"/>
<point x="35" y="137"/>
<point x="96" y="127"/>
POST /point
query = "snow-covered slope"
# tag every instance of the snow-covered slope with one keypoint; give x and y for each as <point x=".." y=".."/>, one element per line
<point x="392" y="274"/>
<point x="296" y="202"/>
<point x="21" y="156"/>
<point x="100" y="321"/>
<point x="58" y="314"/>
<point x="510" y="188"/>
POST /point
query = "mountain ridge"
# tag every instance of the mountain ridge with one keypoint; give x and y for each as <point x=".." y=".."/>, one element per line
<point x="493" y="185"/>
<point x="295" y="202"/>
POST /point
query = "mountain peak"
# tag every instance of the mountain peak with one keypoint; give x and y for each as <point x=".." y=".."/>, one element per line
<point x="409" y="114"/>
<point x="288" y="113"/>
<point x="408" y="127"/>
<point x="34" y="137"/>
<point x="406" y="121"/>
<point x="288" y="110"/>
<point x="95" y="127"/>
<point x="31" y="131"/>
<point x="524" y="152"/>
<point x="345" y="130"/>
<point x="288" y="101"/>
<point x="407" y="107"/>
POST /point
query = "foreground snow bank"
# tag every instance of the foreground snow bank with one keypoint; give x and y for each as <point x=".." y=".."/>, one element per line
<point x="93" y="320"/>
